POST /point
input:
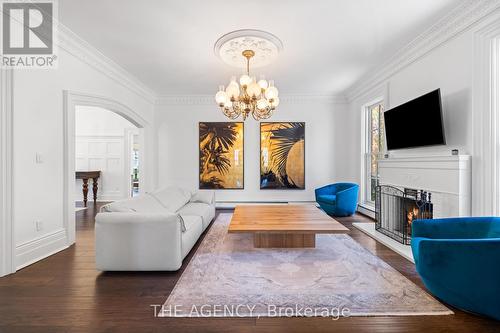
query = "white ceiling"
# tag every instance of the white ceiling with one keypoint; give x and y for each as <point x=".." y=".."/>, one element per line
<point x="328" y="44"/>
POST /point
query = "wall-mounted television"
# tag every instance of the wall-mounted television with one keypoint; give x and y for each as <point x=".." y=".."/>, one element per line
<point x="416" y="123"/>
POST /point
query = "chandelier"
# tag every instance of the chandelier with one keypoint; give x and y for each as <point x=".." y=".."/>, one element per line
<point x="258" y="98"/>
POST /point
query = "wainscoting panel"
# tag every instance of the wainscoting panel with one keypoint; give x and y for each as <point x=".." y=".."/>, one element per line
<point x="107" y="154"/>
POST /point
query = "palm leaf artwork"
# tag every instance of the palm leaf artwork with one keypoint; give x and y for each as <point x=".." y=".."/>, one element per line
<point x="216" y="141"/>
<point x="283" y="137"/>
<point x="223" y="133"/>
<point x="283" y="140"/>
<point x="212" y="182"/>
<point x="217" y="158"/>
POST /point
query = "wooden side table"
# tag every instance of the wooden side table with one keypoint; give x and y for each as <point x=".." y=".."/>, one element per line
<point x="85" y="176"/>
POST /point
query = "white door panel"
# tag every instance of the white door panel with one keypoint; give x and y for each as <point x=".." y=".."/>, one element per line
<point x="106" y="154"/>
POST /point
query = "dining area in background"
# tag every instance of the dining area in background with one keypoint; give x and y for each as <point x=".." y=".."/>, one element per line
<point x="85" y="176"/>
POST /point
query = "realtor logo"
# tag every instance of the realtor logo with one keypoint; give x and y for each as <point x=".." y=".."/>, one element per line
<point x="28" y="34"/>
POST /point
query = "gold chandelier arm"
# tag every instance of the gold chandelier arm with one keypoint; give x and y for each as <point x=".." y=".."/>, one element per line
<point x="248" y="101"/>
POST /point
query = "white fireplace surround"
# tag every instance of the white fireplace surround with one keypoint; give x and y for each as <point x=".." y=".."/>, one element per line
<point x="448" y="178"/>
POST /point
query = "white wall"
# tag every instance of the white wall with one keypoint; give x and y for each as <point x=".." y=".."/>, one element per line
<point x="178" y="146"/>
<point x="449" y="67"/>
<point x="38" y="128"/>
<point x="101" y="145"/>
<point x="96" y="121"/>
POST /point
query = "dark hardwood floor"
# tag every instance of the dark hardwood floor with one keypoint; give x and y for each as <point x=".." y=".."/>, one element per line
<point x="64" y="293"/>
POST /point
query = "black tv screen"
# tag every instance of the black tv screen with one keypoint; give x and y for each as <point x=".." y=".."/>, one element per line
<point x="416" y="123"/>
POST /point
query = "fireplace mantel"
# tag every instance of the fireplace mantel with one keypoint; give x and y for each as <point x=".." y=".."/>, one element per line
<point x="448" y="178"/>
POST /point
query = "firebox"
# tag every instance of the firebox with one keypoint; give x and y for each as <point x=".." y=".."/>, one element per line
<point x="396" y="209"/>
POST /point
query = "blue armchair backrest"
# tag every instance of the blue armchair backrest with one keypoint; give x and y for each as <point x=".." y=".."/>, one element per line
<point x="342" y="186"/>
<point x="457" y="228"/>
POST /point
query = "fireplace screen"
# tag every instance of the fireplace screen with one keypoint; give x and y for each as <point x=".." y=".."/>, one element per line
<point x="395" y="210"/>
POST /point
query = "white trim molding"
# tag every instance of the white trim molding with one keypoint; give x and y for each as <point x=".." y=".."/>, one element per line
<point x="376" y="95"/>
<point x="79" y="48"/>
<point x="447" y="177"/>
<point x="486" y="121"/>
<point x="84" y="99"/>
<point x="40" y="248"/>
<point x="128" y="144"/>
<point x="7" y="265"/>
<point x="458" y="20"/>
<point x="167" y="100"/>
<point x="72" y="99"/>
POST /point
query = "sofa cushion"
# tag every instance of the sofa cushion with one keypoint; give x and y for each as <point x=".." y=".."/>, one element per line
<point x="143" y="203"/>
<point x="172" y="197"/>
<point x="194" y="228"/>
<point x="206" y="212"/>
<point x="207" y="197"/>
<point x="328" y="198"/>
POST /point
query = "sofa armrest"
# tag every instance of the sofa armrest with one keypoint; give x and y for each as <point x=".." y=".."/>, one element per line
<point x="138" y="241"/>
<point x="207" y="197"/>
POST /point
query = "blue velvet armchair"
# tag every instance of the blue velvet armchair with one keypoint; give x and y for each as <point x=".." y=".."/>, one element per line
<point x="340" y="199"/>
<point x="458" y="260"/>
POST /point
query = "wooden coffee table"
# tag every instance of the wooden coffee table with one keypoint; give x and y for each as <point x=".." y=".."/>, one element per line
<point x="285" y="226"/>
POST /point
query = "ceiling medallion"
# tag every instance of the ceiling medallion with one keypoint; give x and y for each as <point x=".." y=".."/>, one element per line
<point x="248" y="96"/>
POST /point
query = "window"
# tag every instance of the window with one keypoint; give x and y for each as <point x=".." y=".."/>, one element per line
<point x="374" y="147"/>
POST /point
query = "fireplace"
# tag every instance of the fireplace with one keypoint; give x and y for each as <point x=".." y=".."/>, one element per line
<point x="396" y="209"/>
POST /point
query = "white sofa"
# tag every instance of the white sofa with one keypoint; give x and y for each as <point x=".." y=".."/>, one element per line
<point x="152" y="232"/>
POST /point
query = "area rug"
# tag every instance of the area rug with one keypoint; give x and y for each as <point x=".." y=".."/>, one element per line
<point x="228" y="277"/>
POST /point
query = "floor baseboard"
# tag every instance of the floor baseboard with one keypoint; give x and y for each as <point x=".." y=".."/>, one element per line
<point x="40" y="248"/>
<point x="401" y="249"/>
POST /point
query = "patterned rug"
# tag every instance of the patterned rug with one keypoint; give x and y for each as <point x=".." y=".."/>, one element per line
<point x="228" y="277"/>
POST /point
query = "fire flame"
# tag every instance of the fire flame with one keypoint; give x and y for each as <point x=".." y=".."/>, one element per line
<point x="412" y="213"/>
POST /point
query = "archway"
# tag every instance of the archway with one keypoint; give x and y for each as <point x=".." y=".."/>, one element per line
<point x="71" y="101"/>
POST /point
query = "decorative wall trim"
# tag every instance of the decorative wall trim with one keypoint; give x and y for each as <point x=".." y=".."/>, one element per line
<point x="485" y="120"/>
<point x="6" y="170"/>
<point x="447" y="177"/>
<point x="106" y="190"/>
<point x="70" y="100"/>
<point x="365" y="210"/>
<point x="40" y="248"/>
<point x="123" y="110"/>
<point x="459" y="19"/>
<point x="286" y="98"/>
<point x="104" y="135"/>
<point x="79" y="48"/>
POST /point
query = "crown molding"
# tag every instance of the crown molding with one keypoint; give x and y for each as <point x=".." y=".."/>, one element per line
<point x="285" y="98"/>
<point x="454" y="23"/>
<point x="78" y="47"/>
<point x="185" y="100"/>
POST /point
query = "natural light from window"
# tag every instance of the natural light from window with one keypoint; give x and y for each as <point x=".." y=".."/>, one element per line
<point x="374" y="149"/>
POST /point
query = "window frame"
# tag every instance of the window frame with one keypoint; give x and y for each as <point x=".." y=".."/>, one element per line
<point x="366" y="151"/>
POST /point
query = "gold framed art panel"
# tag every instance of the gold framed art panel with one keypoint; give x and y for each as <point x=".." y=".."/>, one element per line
<point x="282" y="155"/>
<point x="221" y="155"/>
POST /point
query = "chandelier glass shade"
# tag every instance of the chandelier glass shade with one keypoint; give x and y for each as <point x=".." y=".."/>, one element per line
<point x="248" y="96"/>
